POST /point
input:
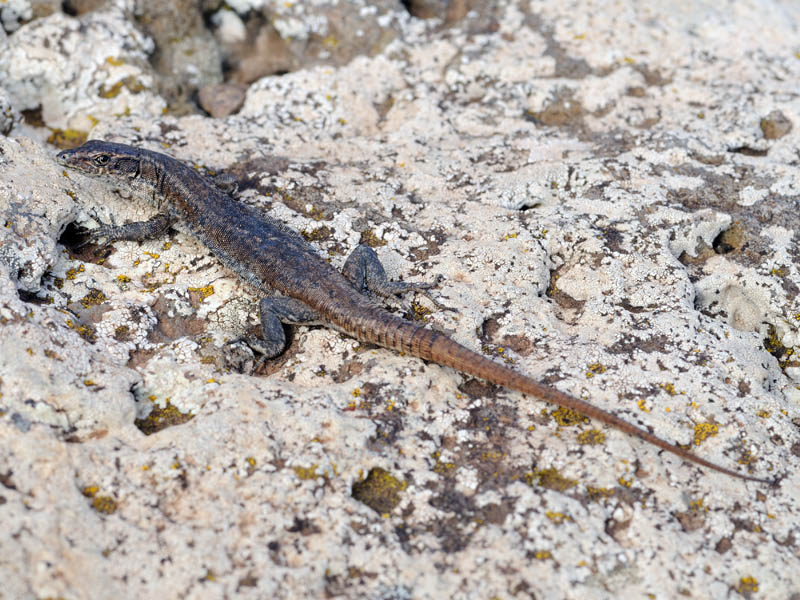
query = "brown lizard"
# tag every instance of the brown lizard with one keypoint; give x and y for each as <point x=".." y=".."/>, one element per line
<point x="270" y="257"/>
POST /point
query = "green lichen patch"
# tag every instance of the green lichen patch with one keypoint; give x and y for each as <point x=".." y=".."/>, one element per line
<point x="133" y="85"/>
<point x="551" y="479"/>
<point x="592" y="437"/>
<point x="161" y="418"/>
<point x="306" y="473"/>
<point x="320" y="234"/>
<point x="85" y="331"/>
<point x="596" y="494"/>
<point x="67" y="138"/>
<point x="441" y="467"/>
<point x="380" y="490"/>
<point x="371" y="239"/>
<point x="104" y="504"/>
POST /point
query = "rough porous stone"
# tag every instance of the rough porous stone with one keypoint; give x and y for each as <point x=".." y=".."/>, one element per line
<point x="610" y="192"/>
<point x="77" y="71"/>
<point x="263" y="37"/>
<point x="186" y="55"/>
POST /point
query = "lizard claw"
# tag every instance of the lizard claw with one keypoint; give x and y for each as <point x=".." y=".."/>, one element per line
<point x="93" y="237"/>
<point x="424" y="289"/>
<point x="227" y="183"/>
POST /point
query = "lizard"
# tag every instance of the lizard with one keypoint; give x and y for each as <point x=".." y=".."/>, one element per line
<point x="271" y="257"/>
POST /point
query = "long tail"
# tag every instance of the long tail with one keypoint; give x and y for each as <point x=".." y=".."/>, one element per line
<point x="370" y="324"/>
<point x="446" y="352"/>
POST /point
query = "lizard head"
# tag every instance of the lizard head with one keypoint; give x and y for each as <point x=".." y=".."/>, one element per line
<point x="97" y="157"/>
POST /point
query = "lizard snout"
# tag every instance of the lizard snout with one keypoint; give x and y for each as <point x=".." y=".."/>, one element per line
<point x="62" y="158"/>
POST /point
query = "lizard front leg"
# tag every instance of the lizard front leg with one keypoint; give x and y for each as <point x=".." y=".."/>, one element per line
<point x="137" y="231"/>
<point x="274" y="312"/>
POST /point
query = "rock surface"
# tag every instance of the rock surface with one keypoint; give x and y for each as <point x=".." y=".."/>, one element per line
<point x="610" y="192"/>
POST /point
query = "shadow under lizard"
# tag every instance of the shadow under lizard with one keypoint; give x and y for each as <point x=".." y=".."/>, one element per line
<point x="270" y="257"/>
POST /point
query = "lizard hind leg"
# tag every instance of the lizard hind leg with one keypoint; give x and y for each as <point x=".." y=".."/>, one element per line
<point x="366" y="273"/>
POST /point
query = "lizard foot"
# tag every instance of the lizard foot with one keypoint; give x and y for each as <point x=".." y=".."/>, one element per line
<point x="365" y="271"/>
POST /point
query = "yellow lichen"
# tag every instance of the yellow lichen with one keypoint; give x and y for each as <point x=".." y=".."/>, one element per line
<point x="567" y="417"/>
<point x="371" y="239"/>
<point x="669" y="388"/>
<point x="595" y="369"/>
<point x="557" y="517"/>
<point x="161" y="418"/>
<point x="93" y="298"/>
<point x="71" y="273"/>
<point x="747" y="585"/>
<point x="316" y="235"/>
<point x="204" y="292"/>
<point x="104" y="504"/>
<point x="380" y="490"/>
<point x="781" y="271"/>
<point x="67" y="138"/>
<point x="492" y="456"/>
<point x="550" y="478"/>
<point x="441" y="467"/>
<point x="130" y="83"/>
<point x="592" y="437"/>
<point x="306" y="473"/>
<point x="598" y="493"/>
<point x="698" y="505"/>
<point x="703" y="431"/>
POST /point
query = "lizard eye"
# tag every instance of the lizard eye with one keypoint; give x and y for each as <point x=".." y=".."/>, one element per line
<point x="102" y="159"/>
